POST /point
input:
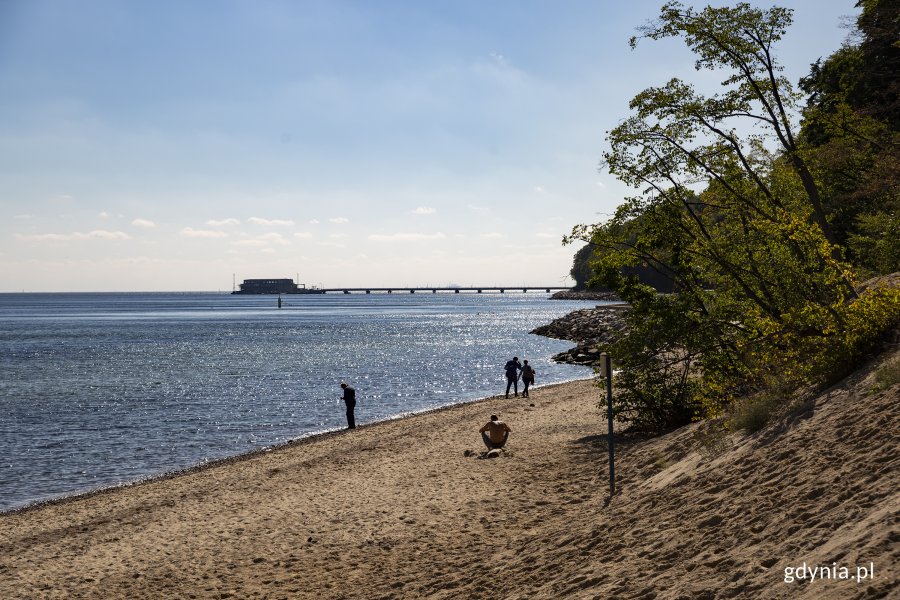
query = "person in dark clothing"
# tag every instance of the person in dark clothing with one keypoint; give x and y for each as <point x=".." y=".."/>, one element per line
<point x="512" y="375"/>
<point x="527" y="378"/>
<point x="350" y="401"/>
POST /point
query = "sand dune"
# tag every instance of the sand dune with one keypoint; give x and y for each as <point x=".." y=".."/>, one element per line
<point x="397" y="510"/>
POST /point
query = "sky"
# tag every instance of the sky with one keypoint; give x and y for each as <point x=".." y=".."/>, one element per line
<point x="183" y="145"/>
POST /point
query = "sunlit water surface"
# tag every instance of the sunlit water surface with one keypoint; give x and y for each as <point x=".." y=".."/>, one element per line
<point x="102" y="389"/>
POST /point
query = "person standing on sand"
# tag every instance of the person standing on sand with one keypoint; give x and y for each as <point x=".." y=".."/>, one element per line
<point x="495" y="433"/>
<point x="527" y="378"/>
<point x="512" y="375"/>
<point x="350" y="401"/>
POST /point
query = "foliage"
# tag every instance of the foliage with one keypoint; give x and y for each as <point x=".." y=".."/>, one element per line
<point x="751" y="414"/>
<point x="581" y="267"/>
<point x="740" y="223"/>
<point x="850" y="137"/>
<point x="887" y="375"/>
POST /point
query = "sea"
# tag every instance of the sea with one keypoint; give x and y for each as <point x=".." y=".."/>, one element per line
<point x="105" y="389"/>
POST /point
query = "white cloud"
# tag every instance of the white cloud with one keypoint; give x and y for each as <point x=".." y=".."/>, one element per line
<point x="422" y="210"/>
<point x="254" y="243"/>
<point x="222" y="222"/>
<point x="104" y="215"/>
<point x="271" y="222"/>
<point x="406" y="237"/>
<point x="143" y="223"/>
<point x="263" y="241"/>
<point x="303" y="235"/>
<point x="540" y="189"/>
<point x="97" y="234"/>
<point x="23" y="217"/>
<point x="202" y="233"/>
<point x="339" y="220"/>
<point x="100" y="234"/>
<point x="478" y="209"/>
<point x="499" y="59"/>
<point x="494" y="235"/>
<point x="338" y="236"/>
<point x="313" y="221"/>
<point x="547" y="235"/>
<point x="274" y="238"/>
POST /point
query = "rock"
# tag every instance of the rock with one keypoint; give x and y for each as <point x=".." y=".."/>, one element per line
<point x="590" y="328"/>
<point x="583" y="295"/>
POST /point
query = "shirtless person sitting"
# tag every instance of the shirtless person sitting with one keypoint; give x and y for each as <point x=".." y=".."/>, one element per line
<point x="495" y="433"/>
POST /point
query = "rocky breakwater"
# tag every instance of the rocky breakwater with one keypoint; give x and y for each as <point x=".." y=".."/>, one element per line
<point x="589" y="328"/>
<point x="585" y="295"/>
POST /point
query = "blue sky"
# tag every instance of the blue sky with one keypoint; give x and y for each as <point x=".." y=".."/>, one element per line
<point x="169" y="145"/>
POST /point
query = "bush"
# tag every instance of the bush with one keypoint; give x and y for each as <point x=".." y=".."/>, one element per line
<point x="887" y="375"/>
<point x="752" y="414"/>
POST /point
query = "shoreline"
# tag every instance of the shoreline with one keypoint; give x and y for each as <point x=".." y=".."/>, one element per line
<point x="343" y="514"/>
<point x="406" y="509"/>
<point x="101" y="452"/>
<point x="252" y="454"/>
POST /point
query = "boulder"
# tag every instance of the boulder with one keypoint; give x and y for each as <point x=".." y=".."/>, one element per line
<point x="590" y="328"/>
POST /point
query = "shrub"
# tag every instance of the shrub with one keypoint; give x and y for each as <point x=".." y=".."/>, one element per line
<point x="887" y="375"/>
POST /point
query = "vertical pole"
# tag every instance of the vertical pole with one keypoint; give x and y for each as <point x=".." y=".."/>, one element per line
<point x="607" y="367"/>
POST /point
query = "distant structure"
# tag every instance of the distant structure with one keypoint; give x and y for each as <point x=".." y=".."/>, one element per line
<point x="275" y="286"/>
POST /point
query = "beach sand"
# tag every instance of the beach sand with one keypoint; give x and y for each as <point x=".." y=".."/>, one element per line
<point x="397" y="510"/>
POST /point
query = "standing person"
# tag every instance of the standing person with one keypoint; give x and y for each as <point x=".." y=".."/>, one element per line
<point x="495" y="433"/>
<point x="527" y="378"/>
<point x="512" y="375"/>
<point x="350" y="401"/>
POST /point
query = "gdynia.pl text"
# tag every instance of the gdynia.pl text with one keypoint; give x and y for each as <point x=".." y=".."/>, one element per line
<point x="833" y="572"/>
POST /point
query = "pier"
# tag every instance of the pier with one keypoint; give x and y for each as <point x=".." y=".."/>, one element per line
<point x="287" y="286"/>
<point x="434" y="290"/>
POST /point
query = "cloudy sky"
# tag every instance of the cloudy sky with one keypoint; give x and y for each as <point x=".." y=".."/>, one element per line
<point x="174" y="145"/>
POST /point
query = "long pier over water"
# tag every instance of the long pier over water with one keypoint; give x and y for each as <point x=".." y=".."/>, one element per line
<point x="287" y="286"/>
<point x="434" y="290"/>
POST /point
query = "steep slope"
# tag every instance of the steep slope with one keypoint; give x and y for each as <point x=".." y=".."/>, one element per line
<point x="820" y="488"/>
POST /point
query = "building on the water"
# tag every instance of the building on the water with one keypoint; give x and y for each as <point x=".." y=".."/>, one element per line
<point x="275" y="286"/>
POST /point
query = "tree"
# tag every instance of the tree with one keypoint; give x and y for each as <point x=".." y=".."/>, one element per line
<point x="731" y="209"/>
<point x="740" y="41"/>
<point x="581" y="267"/>
<point x="851" y="140"/>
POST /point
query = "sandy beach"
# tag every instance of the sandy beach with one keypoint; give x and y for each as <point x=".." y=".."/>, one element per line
<point x="399" y="510"/>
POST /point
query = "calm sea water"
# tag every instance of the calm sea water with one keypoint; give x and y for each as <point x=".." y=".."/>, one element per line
<point x="102" y="389"/>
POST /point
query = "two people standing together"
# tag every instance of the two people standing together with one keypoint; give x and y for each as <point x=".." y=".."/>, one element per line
<point x="513" y="369"/>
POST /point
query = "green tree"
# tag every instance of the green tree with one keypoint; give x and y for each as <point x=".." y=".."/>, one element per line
<point x="851" y="141"/>
<point x="736" y="219"/>
<point x="581" y="271"/>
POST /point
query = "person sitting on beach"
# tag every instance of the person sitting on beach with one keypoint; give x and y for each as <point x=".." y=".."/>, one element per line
<point x="495" y="433"/>
<point x="512" y="375"/>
